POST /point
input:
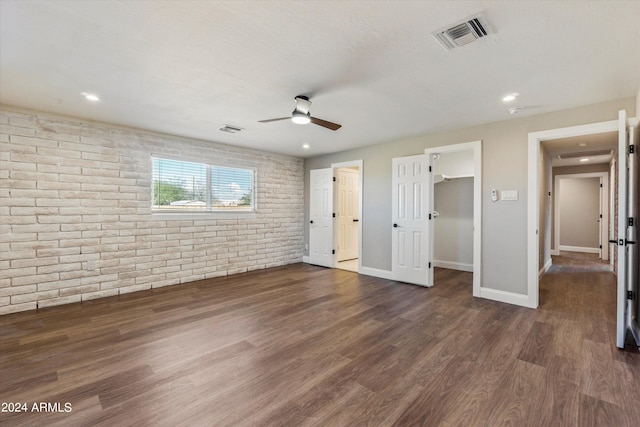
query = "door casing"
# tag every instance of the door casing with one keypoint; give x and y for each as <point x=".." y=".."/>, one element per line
<point x="333" y="259"/>
<point x="531" y="300"/>
<point x="476" y="147"/>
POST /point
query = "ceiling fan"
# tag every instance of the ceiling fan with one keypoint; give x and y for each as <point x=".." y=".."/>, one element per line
<point x="301" y="115"/>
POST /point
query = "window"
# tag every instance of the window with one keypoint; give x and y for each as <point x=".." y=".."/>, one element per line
<point x="183" y="186"/>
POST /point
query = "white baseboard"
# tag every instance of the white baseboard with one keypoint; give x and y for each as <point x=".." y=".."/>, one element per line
<point x="367" y="271"/>
<point x="383" y="274"/>
<point x="453" y="265"/>
<point x="580" y="249"/>
<point x="507" y="297"/>
<point x="545" y="267"/>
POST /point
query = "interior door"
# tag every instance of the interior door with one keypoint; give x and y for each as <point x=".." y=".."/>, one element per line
<point x="633" y="233"/>
<point x="627" y="317"/>
<point x="411" y="180"/>
<point x="347" y="213"/>
<point x="321" y="217"/>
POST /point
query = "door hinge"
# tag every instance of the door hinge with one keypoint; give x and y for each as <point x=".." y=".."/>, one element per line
<point x="334" y="179"/>
<point x="334" y="214"/>
<point x="630" y="295"/>
<point x="600" y="185"/>
<point x="600" y="216"/>
<point x="600" y="246"/>
<point x="632" y="149"/>
<point x="630" y="222"/>
<point x="429" y="216"/>
<point x="429" y="265"/>
<point x="333" y="251"/>
<point x="429" y="168"/>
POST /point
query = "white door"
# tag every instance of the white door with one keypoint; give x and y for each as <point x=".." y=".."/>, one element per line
<point x="321" y="217"/>
<point x="633" y="263"/>
<point x="411" y="182"/>
<point x="627" y="232"/>
<point x="347" y="213"/>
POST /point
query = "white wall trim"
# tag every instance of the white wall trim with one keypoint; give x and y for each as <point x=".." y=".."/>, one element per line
<point x="506" y="297"/>
<point x="604" y="202"/>
<point x="555" y="252"/>
<point x="367" y="271"/>
<point x="461" y="266"/>
<point x="476" y="147"/>
<point x="580" y="249"/>
<point x="382" y="274"/>
<point x="546" y="267"/>
<point x="533" y="194"/>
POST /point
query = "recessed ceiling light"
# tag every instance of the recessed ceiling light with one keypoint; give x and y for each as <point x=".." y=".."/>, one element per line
<point x="584" y="160"/>
<point x="510" y="97"/>
<point x="305" y="146"/>
<point x="515" y="110"/>
<point x="90" y="96"/>
<point x="582" y="144"/>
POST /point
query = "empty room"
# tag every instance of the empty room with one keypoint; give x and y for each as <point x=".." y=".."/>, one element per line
<point x="319" y="213"/>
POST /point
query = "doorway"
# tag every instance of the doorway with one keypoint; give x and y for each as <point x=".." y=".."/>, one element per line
<point x="581" y="214"/>
<point x="455" y="201"/>
<point x="625" y="217"/>
<point x="335" y="216"/>
<point x="347" y="210"/>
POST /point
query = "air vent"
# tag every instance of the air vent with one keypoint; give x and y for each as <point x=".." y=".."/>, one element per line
<point x="230" y="129"/>
<point x="463" y="32"/>
<point x="565" y="156"/>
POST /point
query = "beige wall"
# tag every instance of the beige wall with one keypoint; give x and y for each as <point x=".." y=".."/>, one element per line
<point x="579" y="208"/>
<point x="76" y="222"/>
<point x="569" y="170"/>
<point x="453" y="228"/>
<point x="504" y="165"/>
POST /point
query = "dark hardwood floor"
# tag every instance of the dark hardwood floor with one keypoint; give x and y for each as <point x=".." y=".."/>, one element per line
<point x="303" y="345"/>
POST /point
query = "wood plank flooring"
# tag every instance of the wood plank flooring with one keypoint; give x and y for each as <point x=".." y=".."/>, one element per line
<point x="307" y="346"/>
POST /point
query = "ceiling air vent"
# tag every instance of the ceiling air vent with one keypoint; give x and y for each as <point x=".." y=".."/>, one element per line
<point x="463" y="32"/>
<point x="565" y="156"/>
<point x="230" y="129"/>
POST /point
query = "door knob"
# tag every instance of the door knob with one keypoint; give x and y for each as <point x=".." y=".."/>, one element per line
<point x="395" y="225"/>
<point x="311" y="221"/>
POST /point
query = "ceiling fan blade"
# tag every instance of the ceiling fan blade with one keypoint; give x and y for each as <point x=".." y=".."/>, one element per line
<point x="274" y="120"/>
<point x="326" y="124"/>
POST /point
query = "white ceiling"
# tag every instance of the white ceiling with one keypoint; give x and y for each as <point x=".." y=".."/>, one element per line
<point x="189" y="67"/>
<point x="586" y="144"/>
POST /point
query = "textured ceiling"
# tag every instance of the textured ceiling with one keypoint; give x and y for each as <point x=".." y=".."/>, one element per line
<point x="189" y="67"/>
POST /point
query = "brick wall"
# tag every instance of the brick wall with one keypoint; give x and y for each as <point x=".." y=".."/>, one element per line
<point x="76" y="223"/>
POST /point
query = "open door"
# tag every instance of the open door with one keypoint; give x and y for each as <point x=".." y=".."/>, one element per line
<point x="347" y="213"/>
<point x="321" y="217"/>
<point x="634" y="235"/>
<point x="410" y="219"/>
<point x="627" y="316"/>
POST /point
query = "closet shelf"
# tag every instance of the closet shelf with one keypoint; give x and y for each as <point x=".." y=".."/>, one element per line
<point x="444" y="178"/>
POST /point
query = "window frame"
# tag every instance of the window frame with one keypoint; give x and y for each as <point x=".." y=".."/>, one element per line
<point x="209" y="209"/>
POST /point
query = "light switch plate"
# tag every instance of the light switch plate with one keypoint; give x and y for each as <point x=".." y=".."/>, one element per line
<point x="509" y="195"/>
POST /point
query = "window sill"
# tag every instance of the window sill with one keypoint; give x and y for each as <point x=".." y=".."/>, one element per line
<point x="182" y="216"/>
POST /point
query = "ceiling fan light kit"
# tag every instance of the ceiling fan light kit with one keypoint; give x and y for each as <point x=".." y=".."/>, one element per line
<point x="302" y="116"/>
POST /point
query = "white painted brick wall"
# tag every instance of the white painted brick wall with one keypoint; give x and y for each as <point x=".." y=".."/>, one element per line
<point x="76" y="222"/>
